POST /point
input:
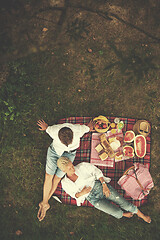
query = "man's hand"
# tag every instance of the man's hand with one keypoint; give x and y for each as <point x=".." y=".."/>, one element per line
<point x="106" y="191"/>
<point x="91" y="125"/>
<point x="43" y="207"/>
<point x="42" y="124"/>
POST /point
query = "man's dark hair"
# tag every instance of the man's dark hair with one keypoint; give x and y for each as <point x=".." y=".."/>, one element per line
<point x="65" y="134"/>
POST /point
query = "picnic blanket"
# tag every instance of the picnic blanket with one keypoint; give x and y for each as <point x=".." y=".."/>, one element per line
<point x="115" y="171"/>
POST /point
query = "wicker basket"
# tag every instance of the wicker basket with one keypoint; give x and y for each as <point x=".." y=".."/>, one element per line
<point x="103" y="120"/>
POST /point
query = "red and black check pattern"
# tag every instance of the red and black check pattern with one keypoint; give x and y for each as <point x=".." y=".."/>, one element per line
<point x="115" y="172"/>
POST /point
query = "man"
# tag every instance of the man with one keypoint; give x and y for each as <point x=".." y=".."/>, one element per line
<point x="66" y="139"/>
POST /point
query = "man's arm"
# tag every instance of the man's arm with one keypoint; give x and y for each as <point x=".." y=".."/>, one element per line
<point x="52" y="131"/>
<point x="42" y="125"/>
<point x="49" y="187"/>
<point x="91" y="125"/>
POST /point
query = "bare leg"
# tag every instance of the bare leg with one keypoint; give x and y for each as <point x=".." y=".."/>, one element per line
<point x="50" y="185"/>
<point x="128" y="214"/>
<point x="144" y="217"/>
<point x="55" y="182"/>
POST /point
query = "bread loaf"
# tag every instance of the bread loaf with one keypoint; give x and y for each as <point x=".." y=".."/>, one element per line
<point x="106" y="146"/>
<point x="103" y="156"/>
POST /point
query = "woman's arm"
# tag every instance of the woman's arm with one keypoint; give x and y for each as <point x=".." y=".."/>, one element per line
<point x="105" y="188"/>
<point x="84" y="191"/>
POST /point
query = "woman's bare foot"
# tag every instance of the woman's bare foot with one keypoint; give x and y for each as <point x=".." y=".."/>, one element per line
<point x="144" y="217"/>
<point x="128" y="214"/>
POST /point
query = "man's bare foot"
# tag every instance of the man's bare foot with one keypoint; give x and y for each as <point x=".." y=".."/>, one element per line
<point x="42" y="210"/>
<point x="128" y="214"/>
<point x="147" y="219"/>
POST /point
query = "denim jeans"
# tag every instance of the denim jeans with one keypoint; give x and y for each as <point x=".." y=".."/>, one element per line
<point x="51" y="162"/>
<point x="103" y="203"/>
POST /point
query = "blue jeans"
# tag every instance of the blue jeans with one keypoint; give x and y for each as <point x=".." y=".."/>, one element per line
<point x="51" y="162"/>
<point x="103" y="203"/>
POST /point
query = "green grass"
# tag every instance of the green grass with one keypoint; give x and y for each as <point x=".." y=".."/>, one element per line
<point x="23" y="149"/>
<point x="67" y="80"/>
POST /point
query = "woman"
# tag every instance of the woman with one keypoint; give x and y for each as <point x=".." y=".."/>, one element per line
<point x="85" y="181"/>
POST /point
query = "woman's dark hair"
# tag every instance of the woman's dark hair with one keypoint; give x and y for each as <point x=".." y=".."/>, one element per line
<point x="65" y="134"/>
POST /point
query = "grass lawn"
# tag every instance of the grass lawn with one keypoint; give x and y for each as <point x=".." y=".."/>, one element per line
<point x="73" y="62"/>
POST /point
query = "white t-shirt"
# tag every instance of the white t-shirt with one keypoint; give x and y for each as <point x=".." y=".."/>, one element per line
<point x="87" y="175"/>
<point x="78" y="132"/>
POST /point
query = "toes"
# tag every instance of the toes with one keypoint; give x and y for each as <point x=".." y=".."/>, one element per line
<point x="147" y="219"/>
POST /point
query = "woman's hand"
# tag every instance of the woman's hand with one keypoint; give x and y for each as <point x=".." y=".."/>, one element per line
<point x="42" y="124"/>
<point x="84" y="191"/>
<point x="106" y="191"/>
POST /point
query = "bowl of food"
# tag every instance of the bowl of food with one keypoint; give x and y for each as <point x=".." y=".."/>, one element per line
<point x="101" y="124"/>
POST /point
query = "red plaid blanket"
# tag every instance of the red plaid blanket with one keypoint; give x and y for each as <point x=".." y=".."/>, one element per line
<point x="115" y="172"/>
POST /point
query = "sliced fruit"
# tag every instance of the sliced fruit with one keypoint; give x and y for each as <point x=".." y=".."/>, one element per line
<point x="120" y="125"/>
<point x="140" y="146"/>
<point x="113" y="125"/>
<point x="128" y="151"/>
<point x="113" y="131"/>
<point x="129" y="136"/>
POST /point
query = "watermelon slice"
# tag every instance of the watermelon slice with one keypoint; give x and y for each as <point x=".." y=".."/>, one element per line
<point x="140" y="146"/>
<point x="128" y="151"/>
<point x="129" y="136"/>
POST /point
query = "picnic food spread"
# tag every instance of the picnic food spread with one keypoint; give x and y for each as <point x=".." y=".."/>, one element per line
<point x="124" y="147"/>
